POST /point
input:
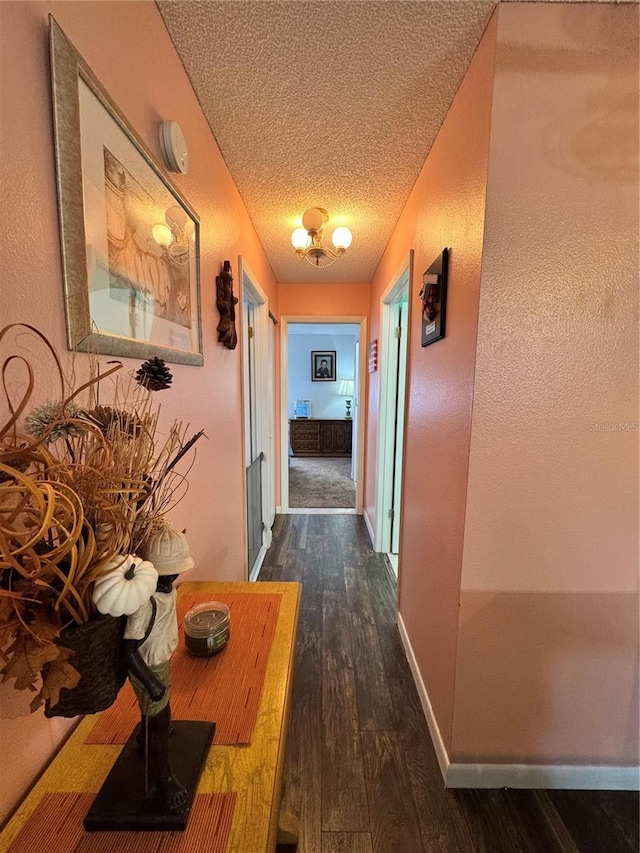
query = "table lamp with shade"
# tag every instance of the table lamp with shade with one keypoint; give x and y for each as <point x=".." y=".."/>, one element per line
<point x="345" y="389"/>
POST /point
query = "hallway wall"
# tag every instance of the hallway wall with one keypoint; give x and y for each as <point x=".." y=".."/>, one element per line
<point x="445" y="208"/>
<point x="547" y="664"/>
<point x="519" y="547"/>
<point x="129" y="49"/>
<point x="324" y="300"/>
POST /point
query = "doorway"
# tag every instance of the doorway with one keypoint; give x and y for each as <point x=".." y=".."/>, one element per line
<point x="321" y="431"/>
<point x="258" y="419"/>
<point x="394" y="329"/>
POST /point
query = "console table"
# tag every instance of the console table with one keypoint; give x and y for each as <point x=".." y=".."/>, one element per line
<point x="320" y="436"/>
<point x="253" y="771"/>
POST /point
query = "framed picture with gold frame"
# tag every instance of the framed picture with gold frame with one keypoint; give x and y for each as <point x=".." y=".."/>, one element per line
<point x="130" y="242"/>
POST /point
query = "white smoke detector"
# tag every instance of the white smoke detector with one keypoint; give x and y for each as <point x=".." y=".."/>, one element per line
<point x="174" y="147"/>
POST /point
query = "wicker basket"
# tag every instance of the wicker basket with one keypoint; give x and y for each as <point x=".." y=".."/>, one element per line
<point x="97" y="656"/>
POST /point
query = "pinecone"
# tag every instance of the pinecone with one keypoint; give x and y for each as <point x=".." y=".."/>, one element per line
<point x="107" y="419"/>
<point x="154" y="375"/>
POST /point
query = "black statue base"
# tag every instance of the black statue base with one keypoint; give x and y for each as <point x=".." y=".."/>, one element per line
<point x="121" y="803"/>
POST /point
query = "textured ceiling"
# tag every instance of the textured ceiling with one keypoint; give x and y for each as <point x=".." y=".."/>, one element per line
<point x="327" y="103"/>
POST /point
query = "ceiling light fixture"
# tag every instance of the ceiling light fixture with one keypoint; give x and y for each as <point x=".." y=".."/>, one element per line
<point x="307" y="241"/>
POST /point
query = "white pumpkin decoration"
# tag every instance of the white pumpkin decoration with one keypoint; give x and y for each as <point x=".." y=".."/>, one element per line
<point x="125" y="585"/>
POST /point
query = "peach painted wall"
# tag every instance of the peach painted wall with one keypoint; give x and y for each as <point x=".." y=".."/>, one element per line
<point x="128" y="47"/>
<point x="446" y="208"/>
<point x="323" y="300"/>
<point x="547" y="666"/>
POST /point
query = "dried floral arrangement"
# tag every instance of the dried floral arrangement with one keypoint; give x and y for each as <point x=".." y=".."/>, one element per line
<point x="80" y="483"/>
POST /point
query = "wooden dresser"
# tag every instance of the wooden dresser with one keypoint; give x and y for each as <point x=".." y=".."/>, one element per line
<point x="320" y="436"/>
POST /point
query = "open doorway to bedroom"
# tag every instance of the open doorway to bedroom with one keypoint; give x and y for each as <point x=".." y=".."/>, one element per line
<point x="320" y="416"/>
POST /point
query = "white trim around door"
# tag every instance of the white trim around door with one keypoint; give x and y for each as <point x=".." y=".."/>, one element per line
<point x="284" y="413"/>
<point x="394" y="354"/>
<point x="258" y="372"/>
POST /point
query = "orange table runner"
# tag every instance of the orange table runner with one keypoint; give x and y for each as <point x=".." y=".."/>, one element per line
<point x="225" y="689"/>
<point x="56" y="826"/>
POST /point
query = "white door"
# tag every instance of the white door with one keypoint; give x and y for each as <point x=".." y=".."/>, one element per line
<point x="395" y="322"/>
<point x="258" y="390"/>
<point x="355" y="413"/>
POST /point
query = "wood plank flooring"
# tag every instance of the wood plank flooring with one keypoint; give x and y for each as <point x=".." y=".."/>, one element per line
<point x="361" y="773"/>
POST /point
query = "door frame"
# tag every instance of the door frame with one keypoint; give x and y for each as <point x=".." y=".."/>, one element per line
<point x="264" y="373"/>
<point x="285" y="320"/>
<point x="399" y="282"/>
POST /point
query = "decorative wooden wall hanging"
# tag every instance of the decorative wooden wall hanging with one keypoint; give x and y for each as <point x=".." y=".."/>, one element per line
<point x="434" y="299"/>
<point x="226" y="302"/>
<point x="373" y="356"/>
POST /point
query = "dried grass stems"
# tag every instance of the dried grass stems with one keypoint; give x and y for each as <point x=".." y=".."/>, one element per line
<point x="90" y="482"/>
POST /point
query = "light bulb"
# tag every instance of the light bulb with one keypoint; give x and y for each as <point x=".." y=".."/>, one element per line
<point x="313" y="219"/>
<point x="300" y="239"/>
<point x="341" y="238"/>
<point x="162" y="235"/>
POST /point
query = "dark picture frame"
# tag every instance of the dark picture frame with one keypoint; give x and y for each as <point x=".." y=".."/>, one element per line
<point x="323" y="362"/>
<point x="126" y="294"/>
<point x="433" y="295"/>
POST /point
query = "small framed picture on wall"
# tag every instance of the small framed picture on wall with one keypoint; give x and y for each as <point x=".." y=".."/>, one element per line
<point x="323" y="365"/>
<point x="434" y="299"/>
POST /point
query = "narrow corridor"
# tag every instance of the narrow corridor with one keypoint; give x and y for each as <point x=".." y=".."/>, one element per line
<point x="361" y="772"/>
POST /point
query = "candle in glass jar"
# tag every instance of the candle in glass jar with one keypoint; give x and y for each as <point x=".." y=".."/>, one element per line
<point x="206" y="628"/>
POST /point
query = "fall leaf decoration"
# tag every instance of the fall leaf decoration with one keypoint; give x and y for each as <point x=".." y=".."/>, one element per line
<point x="87" y="484"/>
<point x="26" y="658"/>
<point x="59" y="673"/>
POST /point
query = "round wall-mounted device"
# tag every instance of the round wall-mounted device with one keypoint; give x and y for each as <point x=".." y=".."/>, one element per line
<point x="174" y="147"/>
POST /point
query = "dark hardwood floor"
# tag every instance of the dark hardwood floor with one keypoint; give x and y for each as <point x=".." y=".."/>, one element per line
<point x="361" y="772"/>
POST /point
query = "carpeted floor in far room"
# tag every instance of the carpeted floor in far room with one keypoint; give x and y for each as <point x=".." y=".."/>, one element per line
<point x="316" y="482"/>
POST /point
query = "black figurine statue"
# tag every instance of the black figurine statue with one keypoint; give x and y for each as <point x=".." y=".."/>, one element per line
<point x="150" y="638"/>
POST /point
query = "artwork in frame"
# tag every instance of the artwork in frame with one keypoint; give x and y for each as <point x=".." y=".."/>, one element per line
<point x="130" y="242"/>
<point x="434" y="299"/>
<point x="323" y="365"/>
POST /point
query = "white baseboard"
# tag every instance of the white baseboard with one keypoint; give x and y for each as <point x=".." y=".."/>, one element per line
<point x="436" y="737"/>
<point x="367" y="523"/>
<point x="558" y="776"/>
<point x="577" y="777"/>
<point x="255" y="571"/>
<point x="322" y="510"/>
<point x="278" y="510"/>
